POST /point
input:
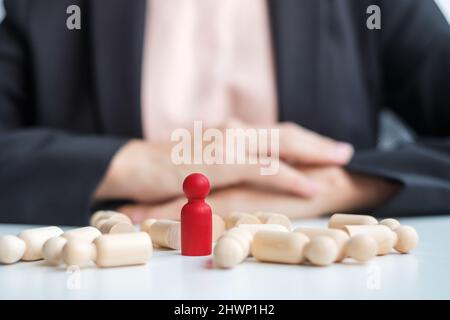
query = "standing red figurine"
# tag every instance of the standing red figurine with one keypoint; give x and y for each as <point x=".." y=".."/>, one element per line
<point x="196" y="217"/>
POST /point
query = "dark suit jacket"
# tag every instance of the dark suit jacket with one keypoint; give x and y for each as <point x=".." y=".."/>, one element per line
<point x="70" y="99"/>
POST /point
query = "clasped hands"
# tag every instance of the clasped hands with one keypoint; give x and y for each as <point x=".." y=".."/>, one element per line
<point x="311" y="180"/>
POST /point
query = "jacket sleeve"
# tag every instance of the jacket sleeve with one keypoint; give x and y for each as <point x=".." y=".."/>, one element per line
<point x="415" y="50"/>
<point x="46" y="176"/>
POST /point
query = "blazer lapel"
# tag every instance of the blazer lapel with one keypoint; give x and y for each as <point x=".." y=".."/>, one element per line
<point x="295" y="33"/>
<point x="117" y="41"/>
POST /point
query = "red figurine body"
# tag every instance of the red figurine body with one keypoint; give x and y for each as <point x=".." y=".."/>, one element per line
<point x="196" y="217"/>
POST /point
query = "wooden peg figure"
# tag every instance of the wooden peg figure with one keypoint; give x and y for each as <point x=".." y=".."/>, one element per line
<point x="196" y="217"/>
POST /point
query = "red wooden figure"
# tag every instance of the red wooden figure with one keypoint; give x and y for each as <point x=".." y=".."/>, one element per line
<point x="196" y="217"/>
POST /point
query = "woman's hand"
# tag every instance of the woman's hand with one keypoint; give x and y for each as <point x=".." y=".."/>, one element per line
<point x="145" y="172"/>
<point x="340" y="192"/>
<point x="305" y="147"/>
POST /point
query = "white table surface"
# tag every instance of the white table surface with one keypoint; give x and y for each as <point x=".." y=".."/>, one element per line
<point x="423" y="274"/>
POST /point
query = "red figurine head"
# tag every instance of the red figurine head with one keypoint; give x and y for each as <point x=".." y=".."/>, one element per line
<point x="196" y="186"/>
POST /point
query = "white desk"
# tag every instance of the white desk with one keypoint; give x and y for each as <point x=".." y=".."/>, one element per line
<point x="425" y="274"/>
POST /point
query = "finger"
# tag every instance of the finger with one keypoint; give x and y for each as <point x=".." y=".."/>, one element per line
<point x="286" y="179"/>
<point x="140" y="212"/>
<point x="136" y="212"/>
<point x="317" y="153"/>
<point x="249" y="199"/>
<point x="337" y="149"/>
<point x="304" y="146"/>
<point x="170" y="210"/>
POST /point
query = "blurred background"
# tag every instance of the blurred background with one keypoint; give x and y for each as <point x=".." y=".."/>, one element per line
<point x="392" y="129"/>
<point x="410" y="78"/>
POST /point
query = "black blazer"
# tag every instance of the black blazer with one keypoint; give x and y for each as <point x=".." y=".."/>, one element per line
<point x="70" y="99"/>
